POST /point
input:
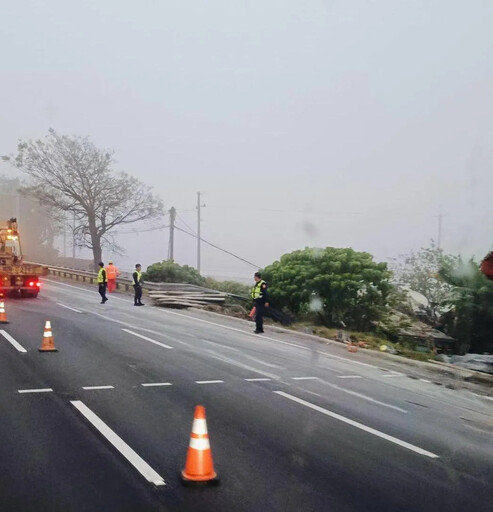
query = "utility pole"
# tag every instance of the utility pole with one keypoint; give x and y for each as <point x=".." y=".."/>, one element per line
<point x="199" y="205"/>
<point x="439" y="240"/>
<point x="439" y="235"/>
<point x="172" y="217"/>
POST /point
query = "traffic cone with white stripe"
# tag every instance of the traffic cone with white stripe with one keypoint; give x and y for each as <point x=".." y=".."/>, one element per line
<point x="199" y="468"/>
<point x="48" y="343"/>
<point x="3" y="314"/>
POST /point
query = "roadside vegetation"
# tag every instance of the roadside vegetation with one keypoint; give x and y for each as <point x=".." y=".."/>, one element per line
<point x="345" y="295"/>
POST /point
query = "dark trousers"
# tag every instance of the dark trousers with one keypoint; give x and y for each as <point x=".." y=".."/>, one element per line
<point x="102" y="291"/>
<point x="259" y="315"/>
<point x="138" y="294"/>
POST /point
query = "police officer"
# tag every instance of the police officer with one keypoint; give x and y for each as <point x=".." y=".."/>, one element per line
<point x="102" y="282"/>
<point x="137" y="278"/>
<point x="261" y="300"/>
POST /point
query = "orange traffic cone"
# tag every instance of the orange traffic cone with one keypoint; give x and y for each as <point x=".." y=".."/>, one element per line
<point x="3" y="314"/>
<point x="352" y="348"/>
<point x="199" y="468"/>
<point x="48" y="343"/>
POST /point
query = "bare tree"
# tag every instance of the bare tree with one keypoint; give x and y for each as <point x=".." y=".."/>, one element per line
<point x="70" y="174"/>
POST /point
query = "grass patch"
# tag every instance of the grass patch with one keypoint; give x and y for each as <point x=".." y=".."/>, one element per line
<point x="372" y="340"/>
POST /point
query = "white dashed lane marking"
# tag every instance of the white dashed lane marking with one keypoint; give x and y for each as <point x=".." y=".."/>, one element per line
<point x="41" y="390"/>
<point x="68" y="307"/>
<point x="349" y="377"/>
<point x="209" y="381"/>
<point x="147" y="339"/>
<point x="137" y="462"/>
<point x="13" y="342"/>
<point x="90" y="388"/>
<point x="305" y="378"/>
<point x="358" y="425"/>
<point x="155" y="384"/>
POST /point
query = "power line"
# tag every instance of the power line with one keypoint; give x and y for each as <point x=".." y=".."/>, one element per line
<point x="171" y="244"/>
<point x="137" y="231"/>
<point x="219" y="248"/>
<point x="187" y="225"/>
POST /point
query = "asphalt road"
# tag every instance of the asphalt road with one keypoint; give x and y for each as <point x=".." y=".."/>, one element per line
<point x="294" y="425"/>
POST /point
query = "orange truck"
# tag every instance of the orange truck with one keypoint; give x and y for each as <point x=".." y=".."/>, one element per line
<point x="17" y="278"/>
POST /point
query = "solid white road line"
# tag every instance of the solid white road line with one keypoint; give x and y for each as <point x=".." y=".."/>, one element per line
<point x="218" y="345"/>
<point x="330" y="356"/>
<point x="128" y="324"/>
<point x="68" y="307"/>
<point x="152" y="384"/>
<point x="209" y="381"/>
<point x="82" y="289"/>
<point x="259" y="361"/>
<point x="305" y="378"/>
<point x="360" y="426"/>
<point x="89" y="388"/>
<point x="349" y="377"/>
<point x="259" y="379"/>
<point x="363" y="397"/>
<point x="189" y="317"/>
<point x="11" y="340"/>
<point x="147" y="339"/>
<point x="225" y="359"/>
<point x="41" y="390"/>
<point x="234" y="329"/>
<point x="486" y="397"/>
<point x="138" y="463"/>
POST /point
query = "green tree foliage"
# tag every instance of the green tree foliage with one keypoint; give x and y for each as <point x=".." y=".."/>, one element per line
<point x="419" y="271"/>
<point x="337" y="284"/>
<point x="470" y="317"/>
<point x="170" y="272"/>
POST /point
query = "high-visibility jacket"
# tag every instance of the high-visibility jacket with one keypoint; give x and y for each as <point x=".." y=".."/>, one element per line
<point x="102" y="276"/>
<point x="137" y="277"/>
<point x="112" y="272"/>
<point x="259" y="290"/>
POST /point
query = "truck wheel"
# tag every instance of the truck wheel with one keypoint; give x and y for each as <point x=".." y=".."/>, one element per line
<point x="29" y="295"/>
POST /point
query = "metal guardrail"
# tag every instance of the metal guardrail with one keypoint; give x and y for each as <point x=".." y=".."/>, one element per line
<point x="85" y="276"/>
<point x="123" y="283"/>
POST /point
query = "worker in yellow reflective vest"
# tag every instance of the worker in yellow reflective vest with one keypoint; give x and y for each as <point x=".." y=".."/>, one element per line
<point x="260" y="298"/>
<point x="102" y="282"/>
<point x="137" y="284"/>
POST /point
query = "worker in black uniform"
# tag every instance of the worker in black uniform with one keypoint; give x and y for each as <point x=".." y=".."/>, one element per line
<point x="137" y="284"/>
<point x="260" y="298"/>
<point x="102" y="282"/>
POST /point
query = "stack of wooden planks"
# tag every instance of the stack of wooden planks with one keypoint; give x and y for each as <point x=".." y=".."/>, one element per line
<point x="186" y="298"/>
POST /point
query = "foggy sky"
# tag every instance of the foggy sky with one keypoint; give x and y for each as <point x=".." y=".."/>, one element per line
<point x="357" y="121"/>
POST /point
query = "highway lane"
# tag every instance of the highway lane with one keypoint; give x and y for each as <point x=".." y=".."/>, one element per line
<point x="273" y="451"/>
